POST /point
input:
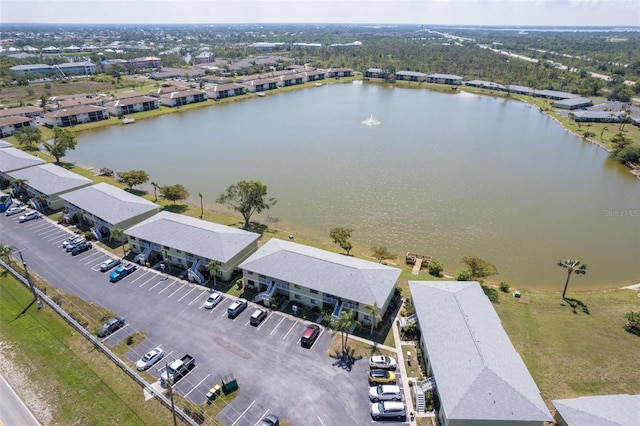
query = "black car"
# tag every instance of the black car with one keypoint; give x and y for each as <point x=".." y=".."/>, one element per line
<point x="310" y="335"/>
<point x="114" y="324"/>
<point x="81" y="248"/>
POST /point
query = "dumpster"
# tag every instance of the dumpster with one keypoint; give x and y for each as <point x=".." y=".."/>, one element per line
<point x="229" y="384"/>
<point x="213" y="392"/>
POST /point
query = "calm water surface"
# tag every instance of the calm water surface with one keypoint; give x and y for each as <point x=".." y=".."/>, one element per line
<point x="443" y="174"/>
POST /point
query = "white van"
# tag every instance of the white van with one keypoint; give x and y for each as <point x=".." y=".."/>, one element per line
<point x="384" y="393"/>
<point x="388" y="410"/>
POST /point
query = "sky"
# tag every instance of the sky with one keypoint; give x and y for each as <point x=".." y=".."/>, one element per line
<point x="425" y="12"/>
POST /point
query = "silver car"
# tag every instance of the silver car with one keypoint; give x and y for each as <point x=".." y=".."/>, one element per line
<point x="385" y="393"/>
<point x="105" y="266"/>
<point x="149" y="359"/>
<point x="75" y="243"/>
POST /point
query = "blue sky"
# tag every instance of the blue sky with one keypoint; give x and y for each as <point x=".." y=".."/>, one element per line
<point x="427" y="12"/>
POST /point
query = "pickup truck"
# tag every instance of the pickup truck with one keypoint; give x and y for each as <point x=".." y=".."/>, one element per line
<point x="122" y="271"/>
<point x="177" y="370"/>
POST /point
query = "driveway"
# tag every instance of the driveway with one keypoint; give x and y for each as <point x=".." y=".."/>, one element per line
<point x="274" y="373"/>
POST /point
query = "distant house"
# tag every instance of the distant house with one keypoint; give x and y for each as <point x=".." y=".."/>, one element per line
<point x="191" y="244"/>
<point x="339" y="72"/>
<point x="26" y="111"/>
<point x="46" y="182"/>
<point x="554" y="94"/>
<point x="184" y="97"/>
<point x="128" y="106"/>
<point x="204" y="58"/>
<point x="320" y="279"/>
<point x="572" y="103"/>
<point x="40" y="69"/>
<point x="315" y="75"/>
<point x="77" y="101"/>
<point x="261" y="85"/>
<point x="12" y="159"/>
<point x="107" y="207"/>
<point x="602" y="410"/>
<point x="291" y="80"/>
<point x="222" y="91"/>
<point x="216" y="79"/>
<point x="476" y="374"/>
<point x="444" y="79"/>
<point x="77" y="68"/>
<point x="410" y="76"/>
<point x="376" y="73"/>
<point x="485" y="85"/>
<point x="10" y="125"/>
<point x="590" y="116"/>
<point x="169" y="88"/>
<point x="146" y="62"/>
<point x="73" y="116"/>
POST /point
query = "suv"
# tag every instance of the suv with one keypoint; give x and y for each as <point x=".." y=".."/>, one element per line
<point x="310" y="335"/>
<point x="388" y="410"/>
<point x="236" y="307"/>
<point x="81" y="248"/>
<point x="114" y="324"/>
<point x="258" y="316"/>
<point x="385" y="393"/>
<point x="379" y="376"/>
<point x="29" y="216"/>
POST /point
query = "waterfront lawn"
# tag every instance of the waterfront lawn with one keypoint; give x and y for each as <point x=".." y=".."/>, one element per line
<point x="572" y="353"/>
<point x="78" y="383"/>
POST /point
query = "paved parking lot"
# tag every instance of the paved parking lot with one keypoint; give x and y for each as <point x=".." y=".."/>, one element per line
<point x="275" y="374"/>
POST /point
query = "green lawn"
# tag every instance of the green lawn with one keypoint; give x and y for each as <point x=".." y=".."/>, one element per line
<point x="570" y="352"/>
<point x="79" y="384"/>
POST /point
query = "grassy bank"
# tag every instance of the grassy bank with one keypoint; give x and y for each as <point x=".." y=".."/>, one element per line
<point x="575" y="351"/>
<point x="77" y="383"/>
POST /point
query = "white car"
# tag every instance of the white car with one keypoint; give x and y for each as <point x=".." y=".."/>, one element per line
<point x="382" y="361"/>
<point x="213" y="300"/>
<point x="388" y="410"/>
<point x="70" y="240"/>
<point x="385" y="393"/>
<point x="29" y="216"/>
<point x="75" y="243"/>
<point x="149" y="359"/>
<point x="15" y="210"/>
<point x="105" y="266"/>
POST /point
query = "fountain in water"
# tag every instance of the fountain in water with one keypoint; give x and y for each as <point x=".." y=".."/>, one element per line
<point x="371" y="121"/>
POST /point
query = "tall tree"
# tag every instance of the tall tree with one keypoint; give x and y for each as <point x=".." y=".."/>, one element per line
<point x="5" y="252"/>
<point x="382" y="253"/>
<point x="478" y="268"/>
<point x="29" y="137"/>
<point x="118" y="235"/>
<point x="247" y="198"/>
<point x="63" y="141"/>
<point x="341" y="237"/>
<point x="201" y="206"/>
<point x="571" y="266"/>
<point x="133" y="178"/>
<point x="213" y="267"/>
<point x="374" y="311"/>
<point x="174" y="192"/>
<point x="343" y="324"/>
<point x="155" y="191"/>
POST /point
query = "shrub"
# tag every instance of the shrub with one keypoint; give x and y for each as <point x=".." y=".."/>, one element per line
<point x="435" y="268"/>
<point x="491" y="293"/>
<point x="129" y="340"/>
<point x="633" y="322"/>
<point x="504" y="287"/>
<point x="464" y="275"/>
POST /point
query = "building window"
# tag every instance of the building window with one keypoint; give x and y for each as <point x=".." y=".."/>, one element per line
<point x="314" y="301"/>
<point x="249" y="272"/>
<point x="296" y="286"/>
<point x="297" y="296"/>
<point x="313" y="291"/>
<point x="251" y="283"/>
<point x="367" y="318"/>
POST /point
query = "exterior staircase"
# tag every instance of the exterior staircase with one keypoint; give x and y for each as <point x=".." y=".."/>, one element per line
<point x="266" y="295"/>
<point x="193" y="273"/>
<point x="337" y="310"/>
<point x="143" y="256"/>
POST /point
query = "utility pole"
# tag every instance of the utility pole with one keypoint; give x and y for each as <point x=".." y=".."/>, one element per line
<point x="170" y="387"/>
<point x="26" y="275"/>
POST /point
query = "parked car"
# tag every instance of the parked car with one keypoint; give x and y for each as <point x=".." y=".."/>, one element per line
<point x="213" y="299"/>
<point x="385" y="393"/>
<point x="15" y="210"/>
<point x="388" y="410"/>
<point x="75" y="243"/>
<point x="269" y="420"/>
<point x="310" y="335"/>
<point x="105" y="266"/>
<point x="236" y="307"/>
<point x="113" y="325"/>
<point x="81" y="248"/>
<point x="122" y="271"/>
<point x="383" y="361"/>
<point x="29" y="216"/>
<point x="379" y="376"/>
<point x="258" y="316"/>
<point x="71" y="239"/>
<point x="150" y="358"/>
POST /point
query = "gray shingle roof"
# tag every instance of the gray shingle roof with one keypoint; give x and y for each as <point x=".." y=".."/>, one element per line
<point x="199" y="237"/>
<point x="109" y="203"/>
<point x="14" y="159"/>
<point x="343" y="276"/>
<point x="604" y="410"/>
<point x="478" y="373"/>
<point x="50" y="179"/>
<point x="573" y="101"/>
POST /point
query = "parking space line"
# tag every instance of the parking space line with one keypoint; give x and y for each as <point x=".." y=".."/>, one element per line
<point x="243" y="413"/>
<point x="285" y="336"/>
<point x="277" y="325"/>
<point x="39" y="227"/>
<point x="179" y="300"/>
<point x="142" y="285"/>
<point x="265" y="320"/>
<point x="140" y="277"/>
<point x="156" y="285"/>
<point x="197" y="297"/>
<point x="56" y="238"/>
<point x="91" y="257"/>
<point x="116" y="332"/>
<point x="48" y="233"/>
<point x="196" y="386"/>
<point x="176" y="290"/>
<point x="320" y="420"/>
<point x="262" y="417"/>
<point x="167" y="287"/>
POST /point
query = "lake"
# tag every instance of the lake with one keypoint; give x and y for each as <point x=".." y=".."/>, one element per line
<point x="443" y="174"/>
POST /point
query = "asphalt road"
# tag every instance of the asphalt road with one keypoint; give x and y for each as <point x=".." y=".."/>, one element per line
<point x="274" y="373"/>
<point x="12" y="410"/>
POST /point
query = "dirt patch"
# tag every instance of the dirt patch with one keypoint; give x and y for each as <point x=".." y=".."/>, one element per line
<point x="18" y="378"/>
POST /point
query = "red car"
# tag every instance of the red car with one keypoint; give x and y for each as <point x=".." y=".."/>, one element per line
<point x="310" y="335"/>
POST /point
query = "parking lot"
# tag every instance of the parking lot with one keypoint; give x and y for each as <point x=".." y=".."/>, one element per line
<point x="275" y="373"/>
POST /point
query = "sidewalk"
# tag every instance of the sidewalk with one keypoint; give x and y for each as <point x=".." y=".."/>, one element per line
<point x="408" y="400"/>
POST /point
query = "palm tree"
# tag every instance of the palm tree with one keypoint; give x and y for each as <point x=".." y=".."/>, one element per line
<point x="5" y="252"/>
<point x="571" y="266"/>
<point x="155" y="191"/>
<point x="18" y="186"/>
<point x="604" y="129"/>
<point x="201" y="208"/>
<point x="213" y="267"/>
<point x="343" y="324"/>
<point x="118" y="235"/>
<point x="374" y="311"/>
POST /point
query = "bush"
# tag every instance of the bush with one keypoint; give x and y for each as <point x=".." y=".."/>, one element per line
<point x="129" y="340"/>
<point x="504" y="287"/>
<point x="464" y="275"/>
<point x="435" y="268"/>
<point x="633" y="322"/>
<point x="491" y="293"/>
